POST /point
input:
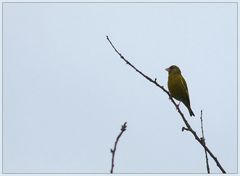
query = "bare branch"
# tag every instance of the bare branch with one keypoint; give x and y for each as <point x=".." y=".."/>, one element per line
<point x="204" y="142"/>
<point x="188" y="127"/>
<point x="113" y="151"/>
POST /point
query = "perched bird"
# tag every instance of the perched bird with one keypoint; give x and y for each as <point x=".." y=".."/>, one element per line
<point x="177" y="87"/>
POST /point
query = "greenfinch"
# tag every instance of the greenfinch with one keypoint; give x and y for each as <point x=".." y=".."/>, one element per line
<point x="177" y="87"/>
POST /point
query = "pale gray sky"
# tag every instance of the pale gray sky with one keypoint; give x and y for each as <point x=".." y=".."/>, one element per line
<point x="67" y="93"/>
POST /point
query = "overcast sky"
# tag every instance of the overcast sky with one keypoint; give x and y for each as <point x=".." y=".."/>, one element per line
<point x="67" y="93"/>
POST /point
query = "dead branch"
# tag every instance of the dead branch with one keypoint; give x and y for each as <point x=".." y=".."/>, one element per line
<point x="188" y="127"/>
<point x="204" y="141"/>
<point x="113" y="151"/>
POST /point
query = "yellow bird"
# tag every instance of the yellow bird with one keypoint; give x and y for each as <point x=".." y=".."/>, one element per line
<point x="177" y="87"/>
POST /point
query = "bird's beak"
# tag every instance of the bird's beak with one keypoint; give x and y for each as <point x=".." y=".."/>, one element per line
<point x="167" y="69"/>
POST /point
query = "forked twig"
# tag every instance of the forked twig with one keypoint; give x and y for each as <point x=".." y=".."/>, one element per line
<point x="113" y="151"/>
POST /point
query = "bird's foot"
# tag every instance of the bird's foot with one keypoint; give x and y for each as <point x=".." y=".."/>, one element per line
<point x="178" y="105"/>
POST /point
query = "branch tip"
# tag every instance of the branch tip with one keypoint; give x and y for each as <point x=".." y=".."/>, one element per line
<point x="186" y="129"/>
<point x="124" y="126"/>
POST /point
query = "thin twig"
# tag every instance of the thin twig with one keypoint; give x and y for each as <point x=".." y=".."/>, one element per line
<point x="204" y="141"/>
<point x="113" y="151"/>
<point x="188" y="127"/>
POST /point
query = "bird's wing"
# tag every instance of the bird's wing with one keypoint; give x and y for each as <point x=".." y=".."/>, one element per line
<point x="185" y="88"/>
<point x="184" y="85"/>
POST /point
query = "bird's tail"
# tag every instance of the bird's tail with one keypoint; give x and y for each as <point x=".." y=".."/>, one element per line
<point x="190" y="111"/>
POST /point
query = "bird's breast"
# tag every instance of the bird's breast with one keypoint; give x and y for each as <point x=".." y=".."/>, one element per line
<point x="175" y="87"/>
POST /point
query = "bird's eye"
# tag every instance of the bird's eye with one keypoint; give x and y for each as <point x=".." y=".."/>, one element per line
<point x="171" y="67"/>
